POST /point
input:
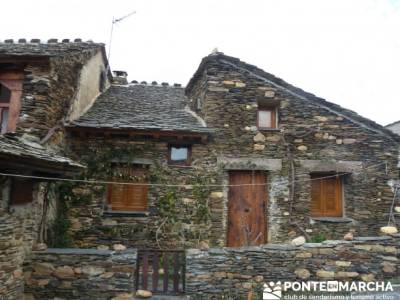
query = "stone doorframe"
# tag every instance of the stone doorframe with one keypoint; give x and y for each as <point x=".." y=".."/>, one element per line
<point x="243" y="163"/>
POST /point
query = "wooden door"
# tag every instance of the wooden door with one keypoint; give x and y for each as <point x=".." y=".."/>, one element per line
<point x="247" y="200"/>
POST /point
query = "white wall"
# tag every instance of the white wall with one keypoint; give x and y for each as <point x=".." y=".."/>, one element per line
<point x="88" y="87"/>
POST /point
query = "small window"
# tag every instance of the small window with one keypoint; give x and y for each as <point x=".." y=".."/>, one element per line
<point x="102" y="81"/>
<point x="198" y="103"/>
<point x="21" y="191"/>
<point x="179" y="155"/>
<point x="266" y="118"/>
<point x="326" y="195"/>
<point x="10" y="100"/>
<point x="5" y="94"/>
<point x="124" y="197"/>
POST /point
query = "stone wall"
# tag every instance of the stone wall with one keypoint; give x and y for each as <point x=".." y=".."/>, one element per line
<point x="309" y="139"/>
<point x="20" y="230"/>
<point x="11" y="257"/>
<point x="50" y="88"/>
<point x="237" y="271"/>
<point x="92" y="225"/>
<point x="80" y="274"/>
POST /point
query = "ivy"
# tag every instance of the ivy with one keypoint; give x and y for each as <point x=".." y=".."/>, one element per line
<point x="58" y="233"/>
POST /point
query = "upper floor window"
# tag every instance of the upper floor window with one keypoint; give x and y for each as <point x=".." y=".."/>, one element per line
<point x="266" y="118"/>
<point x="21" y="191"/>
<point x="10" y="100"/>
<point x="179" y="155"/>
<point x="326" y="195"/>
<point x="5" y="97"/>
<point x="129" y="197"/>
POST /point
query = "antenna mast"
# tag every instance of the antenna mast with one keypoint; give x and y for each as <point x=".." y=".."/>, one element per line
<point x="114" y="21"/>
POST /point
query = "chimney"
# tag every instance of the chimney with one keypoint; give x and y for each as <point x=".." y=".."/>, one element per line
<point x="120" y="77"/>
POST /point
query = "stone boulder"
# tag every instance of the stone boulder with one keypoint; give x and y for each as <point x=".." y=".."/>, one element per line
<point x="388" y="229"/>
<point x="143" y="294"/>
<point x="298" y="241"/>
<point x="348" y="236"/>
<point x="39" y="247"/>
<point x="302" y="274"/>
<point x="119" y="247"/>
<point x="64" y="272"/>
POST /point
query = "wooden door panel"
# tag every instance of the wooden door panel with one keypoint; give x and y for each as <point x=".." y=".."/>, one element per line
<point x="326" y="196"/>
<point x="246" y="208"/>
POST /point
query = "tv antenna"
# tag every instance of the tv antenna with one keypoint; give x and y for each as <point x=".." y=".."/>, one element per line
<point x="115" y="21"/>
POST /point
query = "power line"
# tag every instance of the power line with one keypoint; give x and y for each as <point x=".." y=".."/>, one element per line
<point x="94" y="181"/>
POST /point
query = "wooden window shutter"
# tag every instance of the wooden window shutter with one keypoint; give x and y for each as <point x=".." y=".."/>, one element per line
<point x="21" y="191"/>
<point x="316" y="198"/>
<point x="326" y="197"/>
<point x="129" y="197"/>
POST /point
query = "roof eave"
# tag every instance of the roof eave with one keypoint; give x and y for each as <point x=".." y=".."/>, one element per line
<point x="204" y="136"/>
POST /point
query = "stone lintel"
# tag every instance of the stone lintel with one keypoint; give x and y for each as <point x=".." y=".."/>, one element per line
<point x="249" y="163"/>
<point x="138" y="161"/>
<point x="331" y="166"/>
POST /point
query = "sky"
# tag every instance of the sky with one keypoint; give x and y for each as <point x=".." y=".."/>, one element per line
<point x="346" y="51"/>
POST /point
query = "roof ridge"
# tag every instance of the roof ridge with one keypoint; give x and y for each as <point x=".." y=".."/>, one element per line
<point x="49" y="41"/>
<point x="393" y="123"/>
<point x="154" y="84"/>
<point x="296" y="91"/>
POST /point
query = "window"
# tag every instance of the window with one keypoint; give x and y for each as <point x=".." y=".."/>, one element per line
<point x="198" y="104"/>
<point x="129" y="197"/>
<point x="102" y="81"/>
<point x="5" y="97"/>
<point x="10" y="100"/>
<point x="326" y="196"/>
<point x="179" y="155"/>
<point x="266" y="118"/>
<point x="21" y="191"/>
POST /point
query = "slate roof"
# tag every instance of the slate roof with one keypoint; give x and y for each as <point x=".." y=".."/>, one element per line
<point x="53" y="47"/>
<point x="395" y="127"/>
<point x="254" y="71"/>
<point x="13" y="147"/>
<point x="142" y="107"/>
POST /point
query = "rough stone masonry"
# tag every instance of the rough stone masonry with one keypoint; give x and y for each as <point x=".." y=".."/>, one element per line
<point x="312" y="136"/>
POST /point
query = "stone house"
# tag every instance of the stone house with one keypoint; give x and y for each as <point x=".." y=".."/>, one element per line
<point x="41" y="86"/>
<point x="237" y="157"/>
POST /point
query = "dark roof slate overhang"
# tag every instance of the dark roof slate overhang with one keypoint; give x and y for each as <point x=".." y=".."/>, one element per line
<point x="141" y="109"/>
<point x="36" y="50"/>
<point x="22" y="155"/>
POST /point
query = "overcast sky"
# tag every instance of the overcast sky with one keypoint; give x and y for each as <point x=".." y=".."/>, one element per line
<point x="345" y="51"/>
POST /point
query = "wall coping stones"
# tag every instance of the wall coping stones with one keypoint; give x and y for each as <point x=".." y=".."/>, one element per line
<point x="280" y="247"/>
<point x="318" y="245"/>
<point x="335" y="242"/>
<point x="333" y="219"/>
<point x="75" y="251"/>
<point x="372" y="238"/>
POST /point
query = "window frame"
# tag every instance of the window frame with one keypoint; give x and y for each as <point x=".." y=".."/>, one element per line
<point x="339" y="195"/>
<point x="125" y="189"/>
<point x="21" y="191"/>
<point x="186" y="162"/>
<point x="12" y="80"/>
<point x="274" y="117"/>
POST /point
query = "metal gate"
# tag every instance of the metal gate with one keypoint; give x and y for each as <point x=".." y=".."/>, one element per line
<point x="161" y="271"/>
